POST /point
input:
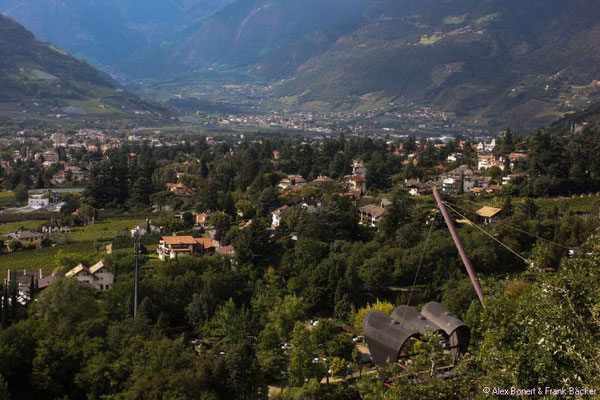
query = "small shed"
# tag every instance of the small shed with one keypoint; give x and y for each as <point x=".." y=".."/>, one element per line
<point x="488" y="214"/>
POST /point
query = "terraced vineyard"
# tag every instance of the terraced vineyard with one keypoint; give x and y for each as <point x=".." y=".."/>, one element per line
<point x="10" y="227"/>
<point x="43" y="258"/>
<point x="104" y="229"/>
<point x="7" y="199"/>
<point x="84" y="243"/>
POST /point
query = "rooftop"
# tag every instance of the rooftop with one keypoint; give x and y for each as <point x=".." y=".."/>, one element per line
<point x="488" y="212"/>
<point x="174" y="240"/>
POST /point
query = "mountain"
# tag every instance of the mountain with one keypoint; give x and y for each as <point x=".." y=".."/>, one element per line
<point x="105" y="32"/>
<point x="495" y="62"/>
<point x="589" y="116"/>
<point x="243" y="32"/>
<point x="502" y="62"/>
<point x="38" y="78"/>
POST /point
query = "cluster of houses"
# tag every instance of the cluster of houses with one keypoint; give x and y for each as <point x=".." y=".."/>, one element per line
<point x="98" y="277"/>
<point x="355" y="183"/>
<point x="54" y="150"/>
<point x="464" y="179"/>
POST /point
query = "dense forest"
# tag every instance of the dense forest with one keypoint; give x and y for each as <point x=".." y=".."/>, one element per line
<point x="214" y="328"/>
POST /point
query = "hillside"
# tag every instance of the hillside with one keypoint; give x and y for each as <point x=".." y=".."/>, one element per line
<point x="38" y="78"/>
<point x="495" y="62"/>
<point x="104" y="33"/>
<point x="521" y="63"/>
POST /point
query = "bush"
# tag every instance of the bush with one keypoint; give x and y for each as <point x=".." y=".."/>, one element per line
<point x="15" y="245"/>
<point x="383" y="306"/>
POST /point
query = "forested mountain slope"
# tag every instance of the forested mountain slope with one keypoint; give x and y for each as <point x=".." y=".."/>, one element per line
<point x="40" y="78"/>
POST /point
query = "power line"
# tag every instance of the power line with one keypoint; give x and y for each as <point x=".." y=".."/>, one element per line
<point x="419" y="267"/>
<point x="517" y="229"/>
<point x="488" y="234"/>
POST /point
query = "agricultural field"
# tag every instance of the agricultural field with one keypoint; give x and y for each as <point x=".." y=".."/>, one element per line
<point x="577" y="204"/>
<point x="10" y="227"/>
<point x="83" y="243"/>
<point x="7" y="199"/>
<point x="104" y="229"/>
<point x="582" y="205"/>
<point x="43" y="258"/>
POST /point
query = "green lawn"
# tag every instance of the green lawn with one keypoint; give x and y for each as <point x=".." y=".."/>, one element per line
<point x="429" y="40"/>
<point x="7" y="199"/>
<point x="104" y="229"/>
<point x="454" y="20"/>
<point x="10" y="227"/>
<point x="43" y="258"/>
<point x="578" y="204"/>
<point x="84" y="243"/>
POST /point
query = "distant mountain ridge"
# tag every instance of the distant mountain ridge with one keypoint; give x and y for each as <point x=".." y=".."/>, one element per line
<point x="506" y="62"/>
<point x="496" y="62"/>
<point x="38" y="78"/>
<point x="105" y="32"/>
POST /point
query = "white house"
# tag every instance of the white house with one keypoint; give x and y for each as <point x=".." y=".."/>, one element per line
<point x="105" y="277"/>
<point x="97" y="276"/>
<point x="277" y="216"/>
<point x="55" y="226"/>
<point x="370" y="215"/>
<point x="146" y="228"/>
<point x="170" y="247"/>
<point x="38" y="201"/>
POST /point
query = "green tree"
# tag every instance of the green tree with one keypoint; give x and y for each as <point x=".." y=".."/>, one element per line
<point x="302" y="357"/>
<point x="383" y="306"/>
<point x="21" y="193"/>
<point x="251" y="244"/>
<point x="267" y="201"/>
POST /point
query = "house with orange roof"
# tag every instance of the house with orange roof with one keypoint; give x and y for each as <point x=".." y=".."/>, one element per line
<point x="356" y="182"/>
<point x="171" y="247"/>
<point x="488" y="214"/>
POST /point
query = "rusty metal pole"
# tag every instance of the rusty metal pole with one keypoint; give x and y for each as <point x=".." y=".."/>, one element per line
<point x="459" y="245"/>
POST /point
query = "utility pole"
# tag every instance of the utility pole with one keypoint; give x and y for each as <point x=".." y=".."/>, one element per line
<point x="136" y="250"/>
<point x="459" y="245"/>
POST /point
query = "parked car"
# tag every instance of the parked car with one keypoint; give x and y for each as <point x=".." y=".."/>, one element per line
<point x="286" y="346"/>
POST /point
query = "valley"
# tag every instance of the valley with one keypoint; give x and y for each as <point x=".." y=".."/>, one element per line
<point x="299" y="199"/>
<point x="489" y="65"/>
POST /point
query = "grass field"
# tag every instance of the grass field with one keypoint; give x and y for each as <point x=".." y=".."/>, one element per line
<point x="455" y="20"/>
<point x="84" y="243"/>
<point x="43" y="258"/>
<point x="10" y="227"/>
<point x="586" y="205"/>
<point x="578" y="204"/>
<point x="429" y="40"/>
<point x="7" y="199"/>
<point x="104" y="229"/>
